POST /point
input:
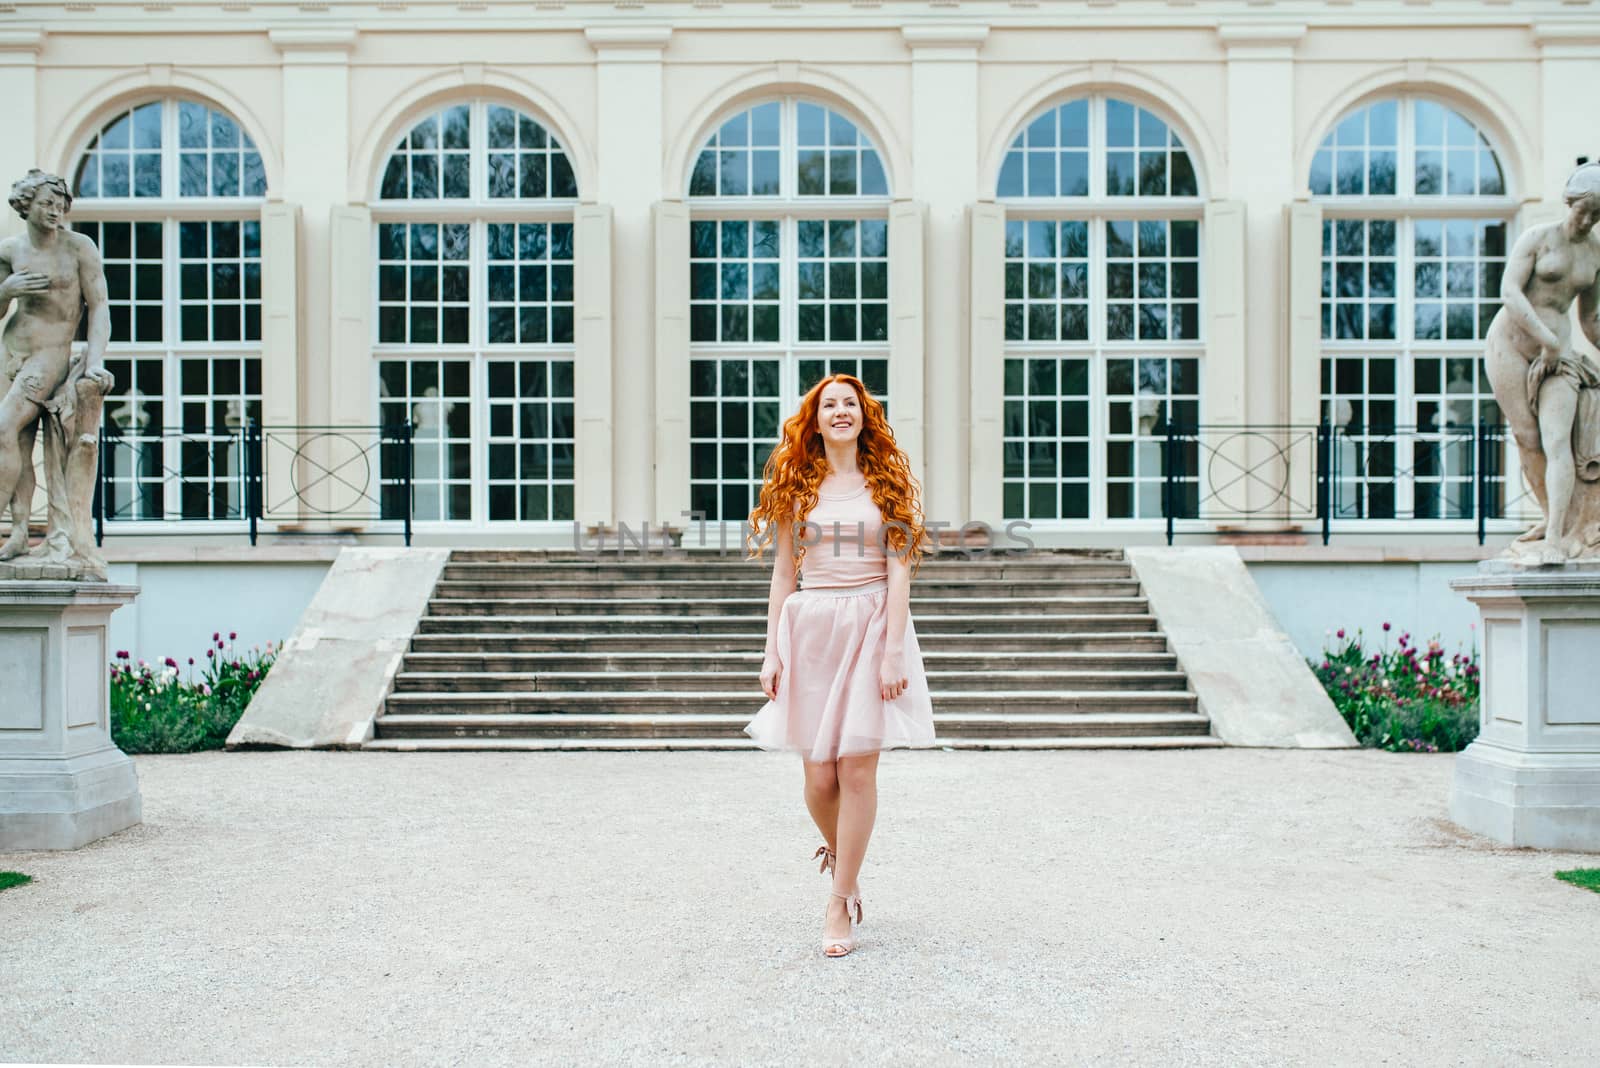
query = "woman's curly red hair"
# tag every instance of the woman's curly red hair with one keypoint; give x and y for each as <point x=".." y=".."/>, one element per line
<point x="798" y="464"/>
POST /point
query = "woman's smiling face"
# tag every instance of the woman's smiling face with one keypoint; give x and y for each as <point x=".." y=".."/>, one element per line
<point x="839" y="414"/>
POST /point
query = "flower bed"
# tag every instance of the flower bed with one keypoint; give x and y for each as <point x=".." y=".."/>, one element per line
<point x="1406" y="698"/>
<point x="160" y="708"/>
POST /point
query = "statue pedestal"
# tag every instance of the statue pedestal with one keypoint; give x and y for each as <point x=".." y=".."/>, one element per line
<point x="1532" y="778"/>
<point x="62" y="783"/>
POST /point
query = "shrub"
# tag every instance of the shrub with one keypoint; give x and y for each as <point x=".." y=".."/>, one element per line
<point x="154" y="710"/>
<point x="1405" y="699"/>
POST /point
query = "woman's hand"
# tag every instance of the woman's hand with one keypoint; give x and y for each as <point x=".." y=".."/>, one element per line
<point x="771" y="675"/>
<point x="892" y="681"/>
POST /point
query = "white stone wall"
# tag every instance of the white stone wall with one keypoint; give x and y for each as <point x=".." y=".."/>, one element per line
<point x="632" y="89"/>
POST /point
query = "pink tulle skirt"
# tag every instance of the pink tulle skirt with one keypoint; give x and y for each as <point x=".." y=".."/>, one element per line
<point x="831" y="643"/>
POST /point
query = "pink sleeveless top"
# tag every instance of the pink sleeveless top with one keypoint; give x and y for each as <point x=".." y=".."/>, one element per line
<point x="849" y="554"/>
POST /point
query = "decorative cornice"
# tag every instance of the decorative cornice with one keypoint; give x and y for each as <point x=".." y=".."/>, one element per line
<point x="320" y="47"/>
<point x="1260" y="41"/>
<point x="628" y="44"/>
<point x="1566" y="40"/>
<point x="945" y="43"/>
<point x="21" y="41"/>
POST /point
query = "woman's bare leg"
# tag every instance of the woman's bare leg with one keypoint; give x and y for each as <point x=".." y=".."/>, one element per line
<point x="822" y="800"/>
<point x="1558" y="407"/>
<point x="858" y="810"/>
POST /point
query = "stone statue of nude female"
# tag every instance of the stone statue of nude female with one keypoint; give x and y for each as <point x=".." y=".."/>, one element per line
<point x="53" y="275"/>
<point x="1548" y="391"/>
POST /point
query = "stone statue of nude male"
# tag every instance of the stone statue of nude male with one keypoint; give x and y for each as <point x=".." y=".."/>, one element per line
<point x="53" y="275"/>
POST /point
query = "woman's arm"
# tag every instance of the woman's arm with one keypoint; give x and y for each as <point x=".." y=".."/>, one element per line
<point x="1519" y="270"/>
<point x="892" y="675"/>
<point x="782" y="586"/>
<point x="1589" y="312"/>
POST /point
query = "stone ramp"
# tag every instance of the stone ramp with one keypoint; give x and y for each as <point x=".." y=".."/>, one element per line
<point x="561" y="650"/>
<point x="330" y="678"/>
<point x="1249" y="678"/>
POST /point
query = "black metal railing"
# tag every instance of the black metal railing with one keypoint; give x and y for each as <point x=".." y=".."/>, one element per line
<point x="1299" y="475"/>
<point x="254" y="474"/>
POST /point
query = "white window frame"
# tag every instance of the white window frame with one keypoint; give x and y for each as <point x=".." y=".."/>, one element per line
<point x="170" y="209"/>
<point x="1096" y="209"/>
<point x="1404" y="209"/>
<point x="479" y="211"/>
<point x="788" y="208"/>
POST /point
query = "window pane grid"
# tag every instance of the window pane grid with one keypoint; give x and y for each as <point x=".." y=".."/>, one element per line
<point x="1359" y="271"/>
<point x="1152" y="280"/>
<point x="219" y="280"/>
<point x="215" y="157"/>
<point x="424" y="283"/>
<point x="435" y="396"/>
<point x="524" y="159"/>
<point x="842" y="272"/>
<point x="1144" y="157"/>
<point x="1457" y="267"/>
<point x="743" y="158"/>
<point x="1144" y="395"/>
<point x="433" y="161"/>
<point x="735" y="409"/>
<point x="135" y="474"/>
<point x="832" y="156"/>
<point x="124" y="158"/>
<point x="872" y="370"/>
<point x="531" y="440"/>
<point x="530" y="283"/>
<point x="1452" y="157"/>
<point x="1046" y="437"/>
<point x="170" y="148"/>
<point x="133" y="255"/>
<point x="1361" y="156"/>
<point x="735" y="280"/>
<point x="1047" y="288"/>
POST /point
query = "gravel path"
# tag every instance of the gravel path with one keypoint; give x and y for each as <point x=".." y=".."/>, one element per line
<point x="1221" y="907"/>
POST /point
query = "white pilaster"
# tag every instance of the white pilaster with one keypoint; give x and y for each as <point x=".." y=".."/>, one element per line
<point x="944" y="148"/>
<point x="908" y="225"/>
<point x="592" y="381"/>
<point x="316" y="158"/>
<point x="671" y="352"/>
<point x="1261" y="171"/>
<point x="986" y="383"/>
<point x="1569" y="69"/>
<point x="628" y="93"/>
<point x="19" y="148"/>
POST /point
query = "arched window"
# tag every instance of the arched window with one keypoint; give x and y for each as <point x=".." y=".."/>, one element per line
<point x="1102" y="310"/>
<point x="171" y="192"/>
<point x="788" y="281"/>
<point x="1416" y="222"/>
<point x="474" y="323"/>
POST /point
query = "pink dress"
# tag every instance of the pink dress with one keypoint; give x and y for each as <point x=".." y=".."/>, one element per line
<point x="832" y="633"/>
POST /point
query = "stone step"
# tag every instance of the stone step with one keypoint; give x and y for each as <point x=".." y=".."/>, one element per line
<point x="575" y="625"/>
<point x="475" y="660"/>
<point x="666" y="683"/>
<point x="698" y="702"/>
<point x="751" y="641"/>
<point x="711" y="725"/>
<point x="703" y="589"/>
<point x="748" y="571"/>
<point x="922" y="607"/>
<point x="533" y="744"/>
<point x="696" y="556"/>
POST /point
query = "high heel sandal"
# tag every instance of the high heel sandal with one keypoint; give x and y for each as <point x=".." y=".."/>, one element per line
<point x="827" y="858"/>
<point x="848" y="942"/>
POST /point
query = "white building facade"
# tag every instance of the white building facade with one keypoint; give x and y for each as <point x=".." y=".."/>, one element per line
<point x="588" y="255"/>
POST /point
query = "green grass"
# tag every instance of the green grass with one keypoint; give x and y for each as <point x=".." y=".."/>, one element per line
<point x="8" y="879"/>
<point x="1587" y="878"/>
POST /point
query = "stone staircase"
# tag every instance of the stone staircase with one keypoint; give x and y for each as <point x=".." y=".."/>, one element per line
<point x="561" y="650"/>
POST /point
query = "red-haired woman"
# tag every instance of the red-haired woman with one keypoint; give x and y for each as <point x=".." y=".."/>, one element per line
<point x="842" y="670"/>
